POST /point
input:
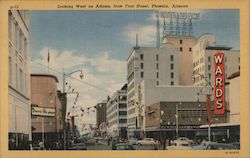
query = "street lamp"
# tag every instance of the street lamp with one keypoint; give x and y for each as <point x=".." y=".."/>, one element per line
<point x="64" y="94"/>
<point x="177" y="119"/>
<point x="208" y="100"/>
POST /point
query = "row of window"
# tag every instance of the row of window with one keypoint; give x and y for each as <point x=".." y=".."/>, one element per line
<point x="181" y="49"/>
<point x="157" y="73"/>
<point x="131" y="111"/>
<point x="157" y="57"/>
<point x="171" y="83"/>
<point x="132" y="120"/>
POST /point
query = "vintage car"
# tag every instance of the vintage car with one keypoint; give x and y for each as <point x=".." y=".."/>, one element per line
<point x="147" y="141"/>
<point x="179" y="145"/>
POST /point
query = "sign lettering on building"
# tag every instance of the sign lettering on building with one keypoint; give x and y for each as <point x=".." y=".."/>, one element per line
<point x="39" y="111"/>
<point x="219" y="84"/>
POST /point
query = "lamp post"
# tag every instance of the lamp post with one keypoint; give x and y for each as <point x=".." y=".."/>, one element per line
<point x="64" y="94"/>
<point x="177" y="119"/>
<point x="208" y="101"/>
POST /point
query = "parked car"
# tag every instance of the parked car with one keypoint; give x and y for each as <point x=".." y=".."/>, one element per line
<point x="236" y="144"/>
<point x="219" y="146"/>
<point x="132" y="141"/>
<point x="78" y="146"/>
<point x="147" y="141"/>
<point x="179" y="145"/>
<point x="123" y="146"/>
<point x="185" y="139"/>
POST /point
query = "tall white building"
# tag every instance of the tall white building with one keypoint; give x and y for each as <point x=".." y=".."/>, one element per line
<point x="159" y="64"/>
<point x="203" y="61"/>
<point x="19" y="79"/>
<point x="184" y="46"/>
<point x="117" y="113"/>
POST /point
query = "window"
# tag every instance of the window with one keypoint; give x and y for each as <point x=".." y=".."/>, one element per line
<point x="225" y="59"/>
<point x="10" y="71"/>
<point x="181" y="41"/>
<point x="172" y="58"/>
<point x="157" y="57"/>
<point x="122" y="106"/>
<point x="209" y="67"/>
<point x="172" y="75"/>
<point x="17" y="78"/>
<point x="172" y="82"/>
<point x="122" y="113"/>
<point x="180" y="49"/>
<point x="122" y="120"/>
<point x="190" y="49"/>
<point x="157" y="66"/>
<point x="16" y="35"/>
<point x="157" y="82"/>
<point x="209" y="75"/>
<point x="239" y="59"/>
<point x="142" y="75"/>
<point x="172" y="66"/>
<point x="141" y="65"/>
<point x="209" y="59"/>
<point x="10" y="29"/>
<point x="141" y="56"/>
<point x="157" y="74"/>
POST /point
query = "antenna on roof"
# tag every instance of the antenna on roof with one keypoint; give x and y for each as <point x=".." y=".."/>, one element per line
<point x="136" y="45"/>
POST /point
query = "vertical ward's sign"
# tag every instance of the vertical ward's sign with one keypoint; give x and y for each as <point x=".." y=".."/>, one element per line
<point x="219" y="84"/>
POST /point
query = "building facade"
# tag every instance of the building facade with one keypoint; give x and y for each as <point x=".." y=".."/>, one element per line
<point x="160" y="64"/>
<point x="184" y="46"/>
<point x="19" y="79"/>
<point x="234" y="98"/>
<point x="117" y="113"/>
<point x="46" y="127"/>
<point x="203" y="60"/>
<point x="162" y="119"/>
<point x="101" y="113"/>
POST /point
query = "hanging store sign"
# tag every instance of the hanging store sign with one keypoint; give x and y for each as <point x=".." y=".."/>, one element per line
<point x="38" y="111"/>
<point x="219" y="84"/>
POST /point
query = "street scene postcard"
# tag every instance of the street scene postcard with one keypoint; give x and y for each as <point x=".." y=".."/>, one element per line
<point x="89" y="78"/>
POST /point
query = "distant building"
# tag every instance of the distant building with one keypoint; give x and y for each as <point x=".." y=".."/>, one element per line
<point x="44" y="97"/>
<point x="117" y="113"/>
<point x="19" y="80"/>
<point x="101" y="114"/>
<point x="160" y="64"/>
<point x="203" y="61"/>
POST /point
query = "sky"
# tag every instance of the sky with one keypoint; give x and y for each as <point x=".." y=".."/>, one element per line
<point x="99" y="42"/>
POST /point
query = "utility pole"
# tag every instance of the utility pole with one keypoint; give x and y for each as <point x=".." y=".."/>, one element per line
<point x="177" y="120"/>
<point x="64" y="95"/>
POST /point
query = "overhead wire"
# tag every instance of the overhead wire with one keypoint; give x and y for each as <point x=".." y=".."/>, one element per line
<point x="84" y="82"/>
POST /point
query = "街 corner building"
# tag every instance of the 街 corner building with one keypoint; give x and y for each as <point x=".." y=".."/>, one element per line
<point x="46" y="111"/>
<point x="19" y="80"/>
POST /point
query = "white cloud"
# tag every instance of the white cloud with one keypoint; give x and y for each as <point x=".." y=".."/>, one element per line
<point x="146" y="33"/>
<point x="59" y="60"/>
<point x="102" y="71"/>
<point x="105" y="64"/>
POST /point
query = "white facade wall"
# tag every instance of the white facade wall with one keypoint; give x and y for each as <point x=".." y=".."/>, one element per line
<point x="234" y="100"/>
<point x="184" y="46"/>
<point x="149" y="63"/>
<point x="116" y="104"/>
<point x="152" y="94"/>
<point x="19" y="73"/>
